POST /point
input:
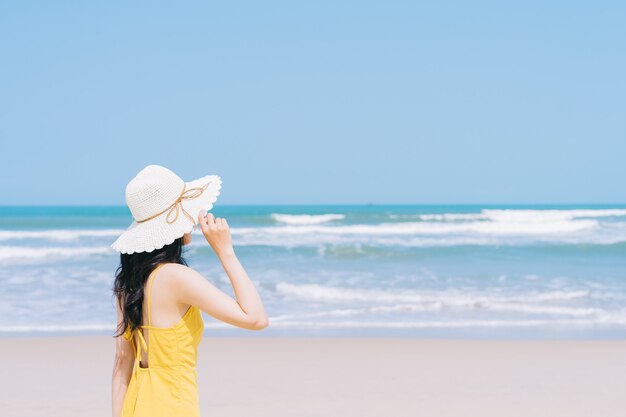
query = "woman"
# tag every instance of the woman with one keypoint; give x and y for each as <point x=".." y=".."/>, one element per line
<point x="159" y="298"/>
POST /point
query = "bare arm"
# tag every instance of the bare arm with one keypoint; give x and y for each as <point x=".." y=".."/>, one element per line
<point x="247" y="309"/>
<point x="122" y="369"/>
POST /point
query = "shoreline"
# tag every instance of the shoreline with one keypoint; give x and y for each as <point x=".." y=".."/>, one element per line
<point x="548" y="333"/>
<point x="292" y="376"/>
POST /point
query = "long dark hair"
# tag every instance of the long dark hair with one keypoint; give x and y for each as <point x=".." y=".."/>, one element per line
<point x="131" y="276"/>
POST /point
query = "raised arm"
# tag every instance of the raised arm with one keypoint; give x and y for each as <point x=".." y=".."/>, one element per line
<point x="246" y="310"/>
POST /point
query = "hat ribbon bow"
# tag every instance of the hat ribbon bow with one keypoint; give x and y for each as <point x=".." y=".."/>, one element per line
<point x="177" y="206"/>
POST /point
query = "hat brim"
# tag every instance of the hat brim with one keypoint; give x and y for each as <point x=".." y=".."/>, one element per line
<point x="157" y="232"/>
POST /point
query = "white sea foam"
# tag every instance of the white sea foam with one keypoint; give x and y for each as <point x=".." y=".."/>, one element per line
<point x="421" y="301"/>
<point x="599" y="318"/>
<point x="296" y="219"/>
<point x="608" y="320"/>
<point x="487" y="306"/>
<point x="58" y="234"/>
<point x="525" y="216"/>
<point x="449" y="324"/>
<point x="433" y="228"/>
<point x="427" y="228"/>
<point x="13" y="253"/>
<point x="408" y="308"/>
<point x="489" y="227"/>
<point x="56" y="328"/>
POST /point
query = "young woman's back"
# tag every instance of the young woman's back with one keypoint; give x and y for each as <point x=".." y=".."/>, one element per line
<point x="167" y="386"/>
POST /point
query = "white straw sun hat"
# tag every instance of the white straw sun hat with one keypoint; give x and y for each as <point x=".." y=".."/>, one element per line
<point x="164" y="208"/>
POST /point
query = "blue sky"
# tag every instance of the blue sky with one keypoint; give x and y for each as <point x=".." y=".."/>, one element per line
<point x="316" y="102"/>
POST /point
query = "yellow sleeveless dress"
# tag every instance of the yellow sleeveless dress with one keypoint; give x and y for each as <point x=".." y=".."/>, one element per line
<point x="168" y="386"/>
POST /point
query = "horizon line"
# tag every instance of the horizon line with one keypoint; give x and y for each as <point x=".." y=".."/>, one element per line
<point x="338" y="204"/>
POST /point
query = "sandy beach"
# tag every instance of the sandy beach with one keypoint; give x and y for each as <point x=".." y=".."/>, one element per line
<point x="70" y="376"/>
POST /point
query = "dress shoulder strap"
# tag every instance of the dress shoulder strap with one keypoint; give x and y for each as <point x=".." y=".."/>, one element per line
<point x="150" y="282"/>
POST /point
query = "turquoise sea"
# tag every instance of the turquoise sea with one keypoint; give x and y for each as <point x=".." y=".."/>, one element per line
<point x="335" y="270"/>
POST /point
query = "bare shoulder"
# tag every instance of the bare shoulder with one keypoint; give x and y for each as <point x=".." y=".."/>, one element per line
<point x="188" y="286"/>
<point x="178" y="274"/>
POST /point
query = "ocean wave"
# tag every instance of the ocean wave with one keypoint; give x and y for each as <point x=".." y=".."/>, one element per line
<point x="487" y="228"/>
<point x="437" y="234"/>
<point x="440" y="299"/>
<point x="305" y="219"/>
<point x="610" y="320"/>
<point x="447" y="324"/>
<point x="55" y="328"/>
<point x="360" y="244"/>
<point x="524" y="216"/>
<point x="58" y="234"/>
<point x="12" y="253"/>
<point x="428" y="228"/>
<point x="441" y="306"/>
